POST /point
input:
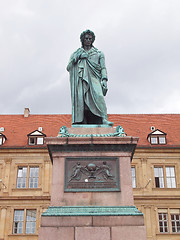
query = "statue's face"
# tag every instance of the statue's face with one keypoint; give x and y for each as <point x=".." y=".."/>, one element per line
<point x="87" y="40"/>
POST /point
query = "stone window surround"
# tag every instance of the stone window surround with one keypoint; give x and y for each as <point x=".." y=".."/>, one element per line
<point x="165" y="179"/>
<point x="24" y="219"/>
<point x="172" y="223"/>
<point x="28" y="177"/>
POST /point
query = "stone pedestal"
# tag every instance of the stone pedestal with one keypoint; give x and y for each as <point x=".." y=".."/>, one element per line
<point x="91" y="194"/>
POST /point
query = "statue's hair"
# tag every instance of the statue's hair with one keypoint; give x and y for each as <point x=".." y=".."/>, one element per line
<point x="87" y="32"/>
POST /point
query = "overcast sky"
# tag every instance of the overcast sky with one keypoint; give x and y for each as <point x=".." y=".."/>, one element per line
<point x="140" y="40"/>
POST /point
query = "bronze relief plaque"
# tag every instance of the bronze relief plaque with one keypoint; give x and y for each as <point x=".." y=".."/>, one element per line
<point x="92" y="174"/>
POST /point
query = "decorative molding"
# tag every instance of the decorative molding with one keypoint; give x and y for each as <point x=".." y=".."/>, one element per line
<point x="154" y="198"/>
<point x="144" y="160"/>
<point x="47" y="160"/>
<point x="93" y="211"/>
<point x="92" y="147"/>
<point x="8" y="160"/>
<point x="25" y="198"/>
<point x="119" y="133"/>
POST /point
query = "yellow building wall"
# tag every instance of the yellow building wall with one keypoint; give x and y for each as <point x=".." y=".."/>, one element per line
<point x="147" y="197"/>
<point x="13" y="198"/>
<point x="150" y="199"/>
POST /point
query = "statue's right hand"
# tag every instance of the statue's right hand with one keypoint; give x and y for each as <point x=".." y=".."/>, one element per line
<point x="84" y="55"/>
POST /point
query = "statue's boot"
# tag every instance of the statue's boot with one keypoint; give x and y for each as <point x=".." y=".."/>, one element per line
<point x="106" y="122"/>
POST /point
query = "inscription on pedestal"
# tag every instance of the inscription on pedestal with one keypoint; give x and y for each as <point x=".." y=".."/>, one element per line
<point x="91" y="174"/>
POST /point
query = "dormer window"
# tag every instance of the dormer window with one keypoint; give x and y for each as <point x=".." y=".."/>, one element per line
<point x="162" y="140"/>
<point x="32" y="140"/>
<point x="2" y="139"/>
<point x="154" y="140"/>
<point x="157" y="137"/>
<point x="36" y="138"/>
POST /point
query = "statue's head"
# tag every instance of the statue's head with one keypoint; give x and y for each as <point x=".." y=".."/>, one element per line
<point x="87" y="32"/>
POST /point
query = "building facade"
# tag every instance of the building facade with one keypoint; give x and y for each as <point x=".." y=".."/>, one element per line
<point x="26" y="171"/>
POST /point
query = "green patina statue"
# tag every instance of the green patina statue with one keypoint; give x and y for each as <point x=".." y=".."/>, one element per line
<point x="88" y="79"/>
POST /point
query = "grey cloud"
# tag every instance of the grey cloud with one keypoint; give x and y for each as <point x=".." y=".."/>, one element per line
<point x="140" y="39"/>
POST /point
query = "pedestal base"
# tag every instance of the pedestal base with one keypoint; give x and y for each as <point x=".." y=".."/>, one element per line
<point x="92" y="223"/>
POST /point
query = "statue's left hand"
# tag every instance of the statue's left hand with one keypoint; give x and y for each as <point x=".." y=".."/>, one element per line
<point x="104" y="86"/>
<point x="104" y="83"/>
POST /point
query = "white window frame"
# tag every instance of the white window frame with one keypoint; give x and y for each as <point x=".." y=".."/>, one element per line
<point x="30" y="221"/>
<point x="40" y="140"/>
<point x="2" y="139"/>
<point x="163" y="222"/>
<point x="18" y="221"/>
<point x="165" y="180"/>
<point x="133" y="174"/>
<point x="34" y="140"/>
<point x="169" y="220"/>
<point x="170" y="178"/>
<point x="162" y="139"/>
<point x="31" y="179"/>
<point x="175" y="223"/>
<point x="159" y="177"/>
<point x="21" y="180"/>
<point x="22" y="223"/>
<point x="154" y="140"/>
<point x="157" y="139"/>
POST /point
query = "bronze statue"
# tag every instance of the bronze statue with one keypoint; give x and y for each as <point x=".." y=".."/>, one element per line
<point x="88" y="79"/>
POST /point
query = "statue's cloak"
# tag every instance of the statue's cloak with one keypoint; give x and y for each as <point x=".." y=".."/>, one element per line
<point x="86" y="76"/>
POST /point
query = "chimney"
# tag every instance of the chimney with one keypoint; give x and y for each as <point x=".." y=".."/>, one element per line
<point x="26" y="112"/>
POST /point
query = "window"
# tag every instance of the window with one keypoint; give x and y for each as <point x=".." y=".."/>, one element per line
<point x="133" y="173"/>
<point x="169" y="220"/>
<point x="30" y="221"/>
<point x="162" y="140"/>
<point x="33" y="177"/>
<point x="22" y="177"/>
<point x="175" y="222"/>
<point x="32" y="140"/>
<point x="28" y="176"/>
<point x="40" y="140"/>
<point x="2" y="139"/>
<point x="165" y="177"/>
<point x="18" y="221"/>
<point x="157" y="137"/>
<point x="159" y="177"/>
<point x="154" y="140"/>
<point x="163" y="223"/>
<point x="170" y="177"/>
<point x="36" y="138"/>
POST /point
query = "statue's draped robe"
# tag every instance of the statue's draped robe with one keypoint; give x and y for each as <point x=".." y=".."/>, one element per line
<point x="86" y="76"/>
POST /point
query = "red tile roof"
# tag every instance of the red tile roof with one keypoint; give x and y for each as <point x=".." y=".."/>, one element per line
<point x="17" y="126"/>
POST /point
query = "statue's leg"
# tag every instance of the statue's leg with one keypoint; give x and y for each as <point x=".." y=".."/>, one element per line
<point x="90" y="118"/>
